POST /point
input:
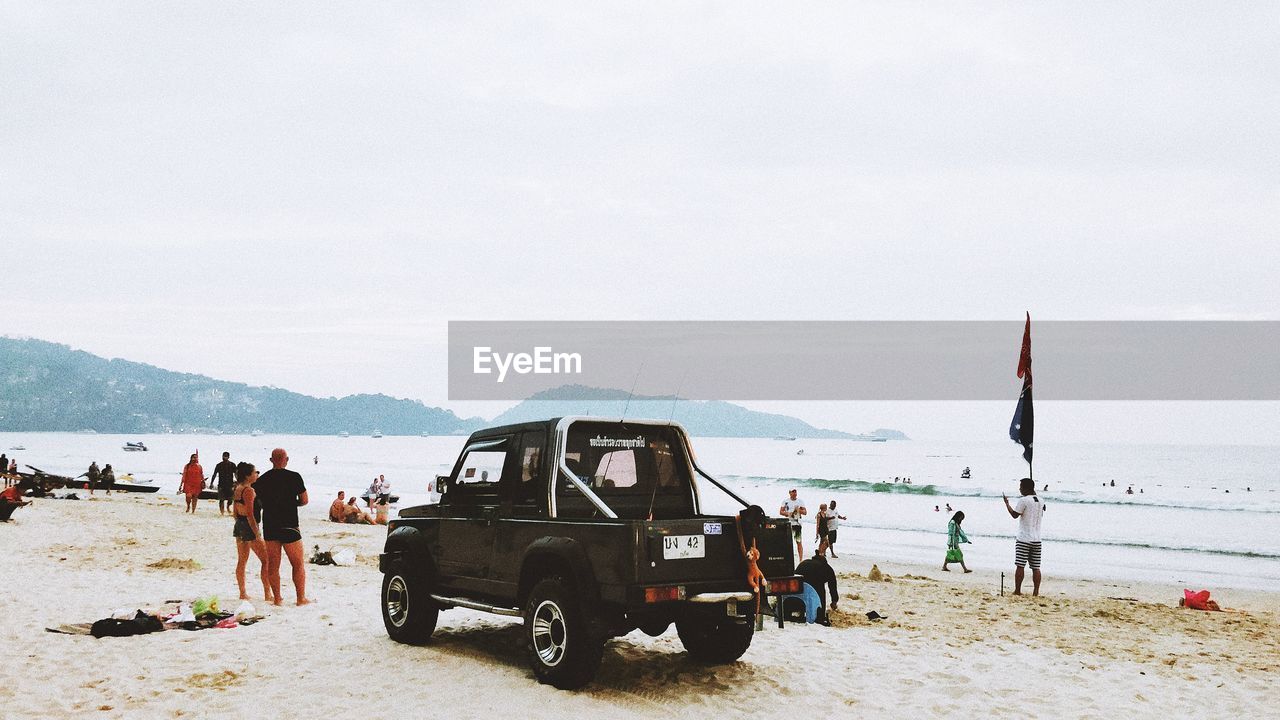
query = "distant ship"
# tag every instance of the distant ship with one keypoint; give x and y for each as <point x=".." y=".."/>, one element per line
<point x="377" y="433"/>
<point x="134" y="447"/>
<point x="344" y="433"/>
<point x="869" y="438"/>
<point x="784" y="437"/>
<point x="256" y="433"/>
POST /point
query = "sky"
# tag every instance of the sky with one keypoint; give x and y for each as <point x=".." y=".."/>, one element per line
<point x="303" y="196"/>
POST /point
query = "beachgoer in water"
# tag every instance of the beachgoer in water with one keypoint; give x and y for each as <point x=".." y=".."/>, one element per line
<point x="1028" y="511"/>
<point x="246" y="531"/>
<point x="315" y="460"/>
<point x="1113" y="482"/>
<point x="820" y="520"/>
<point x="192" y="482"/>
<point x="1046" y="488"/>
<point x="225" y="473"/>
<point x="793" y="509"/>
<point x="281" y="492"/>
<point x="833" y="525"/>
<point x="355" y="515"/>
<point x="817" y="573"/>
<point x="955" y="536"/>
<point x="1129" y="491"/>
<point x="895" y="478"/>
<point x="937" y="509"/>
<point x="337" y="508"/>
<point x="948" y="507"/>
<point x="108" y="478"/>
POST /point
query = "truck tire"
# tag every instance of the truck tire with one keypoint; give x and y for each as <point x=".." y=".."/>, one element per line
<point x="408" y="612"/>
<point x="713" y="637"/>
<point x="562" y="649"/>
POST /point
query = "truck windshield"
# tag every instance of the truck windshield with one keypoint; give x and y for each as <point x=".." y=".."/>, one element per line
<point x="620" y="461"/>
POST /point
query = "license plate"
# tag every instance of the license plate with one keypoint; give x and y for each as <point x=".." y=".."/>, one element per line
<point x="680" y="547"/>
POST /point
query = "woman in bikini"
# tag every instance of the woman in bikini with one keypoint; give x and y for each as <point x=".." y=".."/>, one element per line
<point x="247" y="533"/>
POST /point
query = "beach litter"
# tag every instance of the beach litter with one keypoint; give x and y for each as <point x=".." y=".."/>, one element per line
<point x="1198" y="601"/>
<point x="198" y="614"/>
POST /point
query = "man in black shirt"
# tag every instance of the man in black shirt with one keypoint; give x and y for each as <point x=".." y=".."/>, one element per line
<point x="818" y="574"/>
<point x="225" y="472"/>
<point x="280" y="493"/>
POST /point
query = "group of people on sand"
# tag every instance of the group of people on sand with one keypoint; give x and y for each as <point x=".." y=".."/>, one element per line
<point x="265" y="508"/>
<point x="1028" y="509"/>
<point x="345" y="510"/>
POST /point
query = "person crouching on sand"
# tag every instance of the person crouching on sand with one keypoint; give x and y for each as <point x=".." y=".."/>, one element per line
<point x="246" y="531"/>
<point x="192" y="482"/>
<point x="955" y="536"/>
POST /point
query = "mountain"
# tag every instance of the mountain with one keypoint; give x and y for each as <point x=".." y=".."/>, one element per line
<point x="49" y="387"/>
<point x="705" y="418"/>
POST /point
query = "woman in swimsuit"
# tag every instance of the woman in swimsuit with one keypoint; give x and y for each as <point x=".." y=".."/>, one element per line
<point x="247" y="533"/>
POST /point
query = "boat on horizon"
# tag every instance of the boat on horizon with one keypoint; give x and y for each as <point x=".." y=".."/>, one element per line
<point x="784" y="437"/>
<point x="255" y="433"/>
<point x="377" y="433"/>
<point x="134" y="447"/>
<point x="344" y="433"/>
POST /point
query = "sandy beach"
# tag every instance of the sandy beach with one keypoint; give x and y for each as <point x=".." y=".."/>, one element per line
<point x="950" y="646"/>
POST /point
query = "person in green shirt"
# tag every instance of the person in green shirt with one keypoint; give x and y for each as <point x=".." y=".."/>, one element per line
<point x="955" y="536"/>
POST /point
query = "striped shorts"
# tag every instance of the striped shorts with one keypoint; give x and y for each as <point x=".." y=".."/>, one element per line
<point x="1027" y="553"/>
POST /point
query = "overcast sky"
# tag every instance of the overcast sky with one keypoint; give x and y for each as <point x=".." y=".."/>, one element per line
<point x="302" y="195"/>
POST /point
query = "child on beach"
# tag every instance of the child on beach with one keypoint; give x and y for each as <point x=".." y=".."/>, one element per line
<point x="246" y="532"/>
<point x="955" y="536"/>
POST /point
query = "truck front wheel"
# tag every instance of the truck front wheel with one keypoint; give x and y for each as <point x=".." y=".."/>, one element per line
<point x="561" y="647"/>
<point x="408" y="612"/>
<point x="711" y="636"/>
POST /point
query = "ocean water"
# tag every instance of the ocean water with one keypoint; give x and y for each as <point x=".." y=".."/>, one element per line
<point x="1200" y="516"/>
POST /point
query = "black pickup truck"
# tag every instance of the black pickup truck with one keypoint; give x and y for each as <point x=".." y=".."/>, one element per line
<point x="587" y="529"/>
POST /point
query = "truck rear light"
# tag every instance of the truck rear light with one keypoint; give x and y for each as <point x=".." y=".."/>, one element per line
<point x="787" y="586"/>
<point x="663" y="594"/>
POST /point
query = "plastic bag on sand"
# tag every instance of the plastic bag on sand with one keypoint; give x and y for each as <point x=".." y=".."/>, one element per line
<point x="184" y="614"/>
<point x="244" y="610"/>
<point x="344" y="556"/>
<point x="124" y="613"/>
<point x="205" y="605"/>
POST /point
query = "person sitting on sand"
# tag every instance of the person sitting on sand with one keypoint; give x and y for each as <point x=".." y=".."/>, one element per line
<point x="955" y="536"/>
<point x="246" y="531"/>
<point x="192" y="482"/>
<point x="383" y="511"/>
<point x="337" y="509"/>
<point x="356" y="516"/>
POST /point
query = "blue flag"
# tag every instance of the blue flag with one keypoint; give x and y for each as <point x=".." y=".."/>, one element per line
<point x="1023" y="427"/>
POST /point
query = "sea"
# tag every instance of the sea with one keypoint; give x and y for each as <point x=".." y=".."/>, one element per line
<point x="1199" y="516"/>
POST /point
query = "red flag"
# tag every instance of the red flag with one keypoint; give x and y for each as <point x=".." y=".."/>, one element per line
<point x="1024" y="360"/>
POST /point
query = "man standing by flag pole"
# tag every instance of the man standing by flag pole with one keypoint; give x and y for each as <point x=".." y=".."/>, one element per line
<point x="1029" y="509"/>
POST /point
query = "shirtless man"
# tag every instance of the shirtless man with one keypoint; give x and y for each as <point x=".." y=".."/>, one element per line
<point x="337" y="509"/>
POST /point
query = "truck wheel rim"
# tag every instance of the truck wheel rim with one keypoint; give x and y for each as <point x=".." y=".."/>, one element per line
<point x="397" y="601"/>
<point x="549" y="633"/>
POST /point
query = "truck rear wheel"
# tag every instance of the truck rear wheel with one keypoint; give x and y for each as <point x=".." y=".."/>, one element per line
<point x="562" y="649"/>
<point x="711" y="636"/>
<point x="408" y="612"/>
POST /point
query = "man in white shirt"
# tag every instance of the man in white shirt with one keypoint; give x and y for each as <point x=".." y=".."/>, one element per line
<point x="1028" y="510"/>
<point x="793" y="508"/>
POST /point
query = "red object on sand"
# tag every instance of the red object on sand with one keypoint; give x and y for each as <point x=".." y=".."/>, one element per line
<point x="1196" y="600"/>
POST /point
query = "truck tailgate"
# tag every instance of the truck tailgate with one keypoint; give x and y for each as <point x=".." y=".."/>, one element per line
<point x="707" y="548"/>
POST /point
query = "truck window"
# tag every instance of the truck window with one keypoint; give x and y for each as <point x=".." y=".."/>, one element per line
<point x="634" y="468"/>
<point x="482" y="467"/>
